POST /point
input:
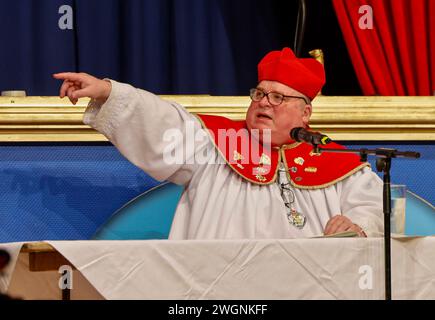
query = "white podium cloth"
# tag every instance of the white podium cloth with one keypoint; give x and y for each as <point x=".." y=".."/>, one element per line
<point x="345" y="268"/>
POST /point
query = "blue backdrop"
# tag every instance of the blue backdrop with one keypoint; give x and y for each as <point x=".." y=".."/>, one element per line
<point x="417" y="174"/>
<point x="68" y="191"/>
<point x="63" y="192"/>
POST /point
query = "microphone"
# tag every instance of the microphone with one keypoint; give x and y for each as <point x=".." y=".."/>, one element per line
<point x="300" y="134"/>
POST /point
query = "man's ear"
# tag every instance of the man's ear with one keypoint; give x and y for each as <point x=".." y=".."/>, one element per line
<point x="308" y="109"/>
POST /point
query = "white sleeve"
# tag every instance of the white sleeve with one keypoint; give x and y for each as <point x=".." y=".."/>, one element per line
<point x="148" y="131"/>
<point x="361" y="201"/>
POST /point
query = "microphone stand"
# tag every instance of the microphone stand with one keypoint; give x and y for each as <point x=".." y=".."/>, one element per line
<point x="383" y="163"/>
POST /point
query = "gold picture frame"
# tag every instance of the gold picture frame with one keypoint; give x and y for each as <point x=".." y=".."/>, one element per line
<point x="343" y="118"/>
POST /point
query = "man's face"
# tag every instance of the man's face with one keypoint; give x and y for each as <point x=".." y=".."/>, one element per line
<point x="291" y="113"/>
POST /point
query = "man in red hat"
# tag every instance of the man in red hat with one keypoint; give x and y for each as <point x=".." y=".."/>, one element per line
<point x="243" y="179"/>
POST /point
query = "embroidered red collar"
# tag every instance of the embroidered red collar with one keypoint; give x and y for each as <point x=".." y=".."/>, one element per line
<point x="259" y="164"/>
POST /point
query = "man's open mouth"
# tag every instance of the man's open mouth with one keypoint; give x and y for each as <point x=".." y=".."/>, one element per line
<point x="264" y="116"/>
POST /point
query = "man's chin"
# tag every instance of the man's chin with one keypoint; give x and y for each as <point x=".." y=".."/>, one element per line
<point x="260" y="125"/>
<point x="261" y="133"/>
<point x="265" y="136"/>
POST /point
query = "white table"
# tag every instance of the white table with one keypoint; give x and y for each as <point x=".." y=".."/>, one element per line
<point x="345" y="268"/>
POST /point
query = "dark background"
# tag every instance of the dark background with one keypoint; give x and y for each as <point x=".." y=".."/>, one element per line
<point x="165" y="46"/>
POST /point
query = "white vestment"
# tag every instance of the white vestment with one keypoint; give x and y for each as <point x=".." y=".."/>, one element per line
<point x="217" y="203"/>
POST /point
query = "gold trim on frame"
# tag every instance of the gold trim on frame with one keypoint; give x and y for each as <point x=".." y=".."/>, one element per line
<point x="345" y="118"/>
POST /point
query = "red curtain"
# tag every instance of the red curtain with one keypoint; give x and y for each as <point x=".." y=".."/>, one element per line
<point x="397" y="55"/>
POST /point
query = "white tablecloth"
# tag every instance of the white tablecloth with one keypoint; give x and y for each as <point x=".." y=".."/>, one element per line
<point x="345" y="268"/>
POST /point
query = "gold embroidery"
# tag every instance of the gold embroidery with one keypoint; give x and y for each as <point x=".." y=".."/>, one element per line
<point x="299" y="160"/>
<point x="237" y="156"/>
<point x="310" y="169"/>
<point x="298" y="179"/>
<point x="260" y="178"/>
<point x="318" y="186"/>
<point x="261" y="170"/>
<point x="265" y="160"/>
<point x="312" y="153"/>
<point x="280" y="155"/>
<point x="240" y="166"/>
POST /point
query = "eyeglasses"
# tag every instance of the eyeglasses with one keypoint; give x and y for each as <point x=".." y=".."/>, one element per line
<point x="287" y="194"/>
<point x="274" y="98"/>
<point x="286" y="191"/>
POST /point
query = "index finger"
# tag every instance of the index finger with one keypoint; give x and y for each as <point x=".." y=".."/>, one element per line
<point x="73" y="76"/>
<point x="340" y="226"/>
<point x="330" y="223"/>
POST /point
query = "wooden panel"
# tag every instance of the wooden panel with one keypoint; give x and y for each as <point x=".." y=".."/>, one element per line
<point x="43" y="257"/>
<point x="342" y="118"/>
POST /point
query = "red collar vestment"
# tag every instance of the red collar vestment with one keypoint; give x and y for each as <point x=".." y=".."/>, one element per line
<point x="259" y="164"/>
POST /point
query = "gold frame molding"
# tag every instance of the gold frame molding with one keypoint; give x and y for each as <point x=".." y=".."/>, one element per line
<point x="346" y="118"/>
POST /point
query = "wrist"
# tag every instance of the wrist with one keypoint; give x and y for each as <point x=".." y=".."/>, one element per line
<point x="106" y="90"/>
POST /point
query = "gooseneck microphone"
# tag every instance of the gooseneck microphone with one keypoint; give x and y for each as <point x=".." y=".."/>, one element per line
<point x="300" y="134"/>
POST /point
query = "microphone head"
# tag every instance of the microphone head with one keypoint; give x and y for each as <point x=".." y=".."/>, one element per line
<point x="325" y="140"/>
<point x="294" y="133"/>
<point x="303" y="135"/>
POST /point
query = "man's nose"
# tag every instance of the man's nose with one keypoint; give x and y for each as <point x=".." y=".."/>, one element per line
<point x="264" y="102"/>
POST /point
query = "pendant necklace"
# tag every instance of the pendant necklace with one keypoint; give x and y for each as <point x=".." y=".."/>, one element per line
<point x="294" y="217"/>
